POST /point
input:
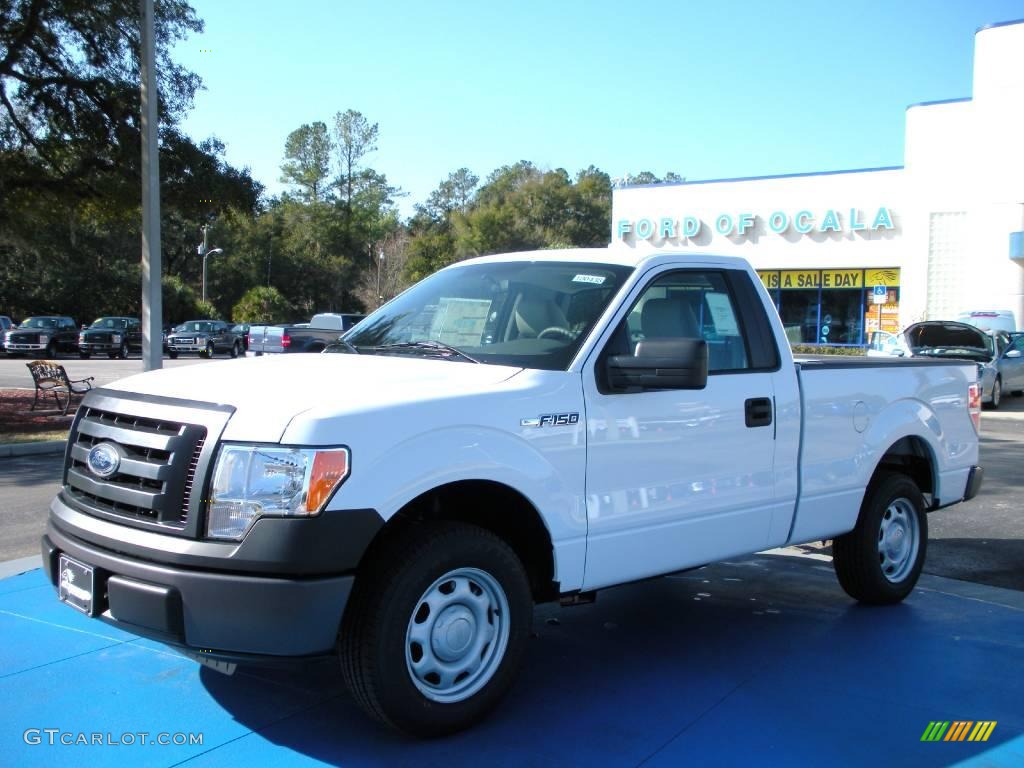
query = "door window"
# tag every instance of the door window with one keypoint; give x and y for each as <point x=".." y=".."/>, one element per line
<point x="691" y="304"/>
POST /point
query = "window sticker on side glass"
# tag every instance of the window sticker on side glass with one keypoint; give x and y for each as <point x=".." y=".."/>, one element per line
<point x="594" y="279"/>
<point x="460" y="322"/>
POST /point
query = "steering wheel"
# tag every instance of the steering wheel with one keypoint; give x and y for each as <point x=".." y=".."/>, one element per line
<point x="557" y="330"/>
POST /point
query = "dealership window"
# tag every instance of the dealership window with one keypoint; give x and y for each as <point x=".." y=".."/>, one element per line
<point x="834" y="306"/>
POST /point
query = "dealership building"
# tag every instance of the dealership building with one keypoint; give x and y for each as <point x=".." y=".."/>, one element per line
<point x="845" y="253"/>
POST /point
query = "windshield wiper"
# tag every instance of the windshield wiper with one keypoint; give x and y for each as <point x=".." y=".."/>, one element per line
<point x="439" y="348"/>
<point x="339" y="342"/>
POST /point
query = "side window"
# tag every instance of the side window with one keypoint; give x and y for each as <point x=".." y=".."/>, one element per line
<point x="692" y="304"/>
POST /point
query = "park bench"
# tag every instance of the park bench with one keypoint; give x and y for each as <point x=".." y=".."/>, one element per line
<point x="52" y="380"/>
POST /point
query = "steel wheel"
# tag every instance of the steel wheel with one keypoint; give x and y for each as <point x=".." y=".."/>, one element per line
<point x="898" y="540"/>
<point x="457" y="635"/>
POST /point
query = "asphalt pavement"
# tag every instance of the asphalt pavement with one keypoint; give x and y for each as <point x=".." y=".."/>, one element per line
<point x="14" y="374"/>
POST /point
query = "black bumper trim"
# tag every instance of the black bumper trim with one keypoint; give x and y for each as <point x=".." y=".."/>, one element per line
<point x="221" y="614"/>
<point x="974" y="480"/>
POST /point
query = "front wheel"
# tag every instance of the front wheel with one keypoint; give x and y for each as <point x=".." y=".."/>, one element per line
<point x="880" y="560"/>
<point x="235" y="351"/>
<point x="123" y="351"/>
<point x="436" y="629"/>
<point x="208" y="352"/>
<point x="172" y="354"/>
<point x="51" y="350"/>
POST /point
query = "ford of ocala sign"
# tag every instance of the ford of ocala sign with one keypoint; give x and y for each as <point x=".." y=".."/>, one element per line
<point x="739" y="224"/>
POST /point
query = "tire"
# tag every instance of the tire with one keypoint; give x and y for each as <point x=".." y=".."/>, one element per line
<point x="51" y="350"/>
<point x="997" y="394"/>
<point x="122" y="353"/>
<point x="84" y="355"/>
<point x="172" y="354"/>
<point x="391" y="639"/>
<point x="234" y="350"/>
<point x="208" y="352"/>
<point x="880" y="560"/>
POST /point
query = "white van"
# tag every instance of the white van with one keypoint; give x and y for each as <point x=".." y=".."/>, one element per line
<point x="990" y="319"/>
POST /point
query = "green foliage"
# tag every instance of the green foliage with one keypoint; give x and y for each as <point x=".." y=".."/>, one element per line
<point x="307" y="165"/>
<point x="180" y="302"/>
<point x="262" y="305"/>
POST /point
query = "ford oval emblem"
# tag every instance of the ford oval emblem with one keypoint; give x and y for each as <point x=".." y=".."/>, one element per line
<point x="104" y="459"/>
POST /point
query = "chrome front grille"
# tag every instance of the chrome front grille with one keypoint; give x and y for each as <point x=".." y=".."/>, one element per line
<point x="163" y="459"/>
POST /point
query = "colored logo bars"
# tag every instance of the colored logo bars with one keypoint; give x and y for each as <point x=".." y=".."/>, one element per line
<point x="959" y="730"/>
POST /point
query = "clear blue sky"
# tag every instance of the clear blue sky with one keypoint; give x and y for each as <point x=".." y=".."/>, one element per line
<point x="708" y="89"/>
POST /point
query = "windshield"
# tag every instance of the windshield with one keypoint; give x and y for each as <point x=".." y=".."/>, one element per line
<point x="39" y="322"/>
<point x="109" y="322"/>
<point x="195" y="326"/>
<point x="950" y="340"/>
<point x="529" y="314"/>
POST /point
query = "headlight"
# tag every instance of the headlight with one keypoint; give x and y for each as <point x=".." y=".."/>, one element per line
<point x="115" y="338"/>
<point x="200" y="339"/>
<point x="253" y="481"/>
<point x="43" y="338"/>
<point x="81" y="338"/>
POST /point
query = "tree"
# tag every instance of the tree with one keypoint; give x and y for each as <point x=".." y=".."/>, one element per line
<point x="69" y="90"/>
<point x="355" y="138"/>
<point x="262" y="304"/>
<point x="307" y="165"/>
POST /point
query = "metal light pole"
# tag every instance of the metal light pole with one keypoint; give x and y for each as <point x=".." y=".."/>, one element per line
<point x="152" y="300"/>
<point x="206" y="252"/>
<point x="380" y="261"/>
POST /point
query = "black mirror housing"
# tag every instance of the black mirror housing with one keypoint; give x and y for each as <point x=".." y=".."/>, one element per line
<point x="661" y="364"/>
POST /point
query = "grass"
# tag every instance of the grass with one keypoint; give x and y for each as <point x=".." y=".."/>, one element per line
<point x="20" y="424"/>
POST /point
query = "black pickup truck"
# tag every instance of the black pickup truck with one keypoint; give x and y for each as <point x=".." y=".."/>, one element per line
<point x="49" y="334"/>
<point x="314" y="336"/>
<point x="112" y="336"/>
<point x="205" y="337"/>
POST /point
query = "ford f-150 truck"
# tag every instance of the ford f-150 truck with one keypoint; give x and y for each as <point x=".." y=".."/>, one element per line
<point x="513" y="429"/>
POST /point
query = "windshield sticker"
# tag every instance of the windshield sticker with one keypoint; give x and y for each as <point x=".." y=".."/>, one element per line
<point x="592" y="279"/>
<point x="460" y="322"/>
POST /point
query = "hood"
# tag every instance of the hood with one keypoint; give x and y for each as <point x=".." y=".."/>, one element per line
<point x="268" y="392"/>
<point x="948" y="339"/>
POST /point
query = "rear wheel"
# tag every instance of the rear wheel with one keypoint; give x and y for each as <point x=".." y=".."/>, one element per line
<point x="997" y="394"/>
<point x="880" y="560"/>
<point x="436" y="628"/>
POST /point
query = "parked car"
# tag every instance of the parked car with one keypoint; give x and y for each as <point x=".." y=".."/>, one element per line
<point x="112" y="336"/>
<point x="314" y="336"/>
<point x="242" y="329"/>
<point x="49" y="334"/>
<point x="404" y="507"/>
<point x="990" y="319"/>
<point x="6" y="323"/>
<point x="997" y="372"/>
<point x="205" y="338"/>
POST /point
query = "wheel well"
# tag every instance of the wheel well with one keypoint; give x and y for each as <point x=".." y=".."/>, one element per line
<point x="496" y="507"/>
<point x="912" y="457"/>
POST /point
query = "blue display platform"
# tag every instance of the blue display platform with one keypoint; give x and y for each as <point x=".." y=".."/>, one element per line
<point x="761" y="661"/>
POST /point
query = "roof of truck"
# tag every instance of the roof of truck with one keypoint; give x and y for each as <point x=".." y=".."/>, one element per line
<point x="619" y="255"/>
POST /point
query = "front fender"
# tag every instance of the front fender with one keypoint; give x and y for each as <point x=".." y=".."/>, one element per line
<point x="546" y="467"/>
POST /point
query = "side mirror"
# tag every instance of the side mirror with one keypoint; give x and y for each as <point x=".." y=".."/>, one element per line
<point x="661" y="364"/>
<point x="1013" y="353"/>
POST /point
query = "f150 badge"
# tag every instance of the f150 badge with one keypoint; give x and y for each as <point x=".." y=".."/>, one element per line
<point x="551" y="420"/>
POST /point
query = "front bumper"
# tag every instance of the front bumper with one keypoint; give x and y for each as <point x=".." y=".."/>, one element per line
<point x="25" y="347"/>
<point x="92" y="347"/>
<point x="280" y="592"/>
<point x="221" y="615"/>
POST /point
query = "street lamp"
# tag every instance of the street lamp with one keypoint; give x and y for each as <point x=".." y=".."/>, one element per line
<point x="380" y="261"/>
<point x="206" y="252"/>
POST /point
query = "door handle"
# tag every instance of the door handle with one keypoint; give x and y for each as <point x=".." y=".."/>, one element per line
<point x="758" y="411"/>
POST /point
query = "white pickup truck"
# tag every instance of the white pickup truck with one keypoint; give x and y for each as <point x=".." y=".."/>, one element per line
<point x="512" y="430"/>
